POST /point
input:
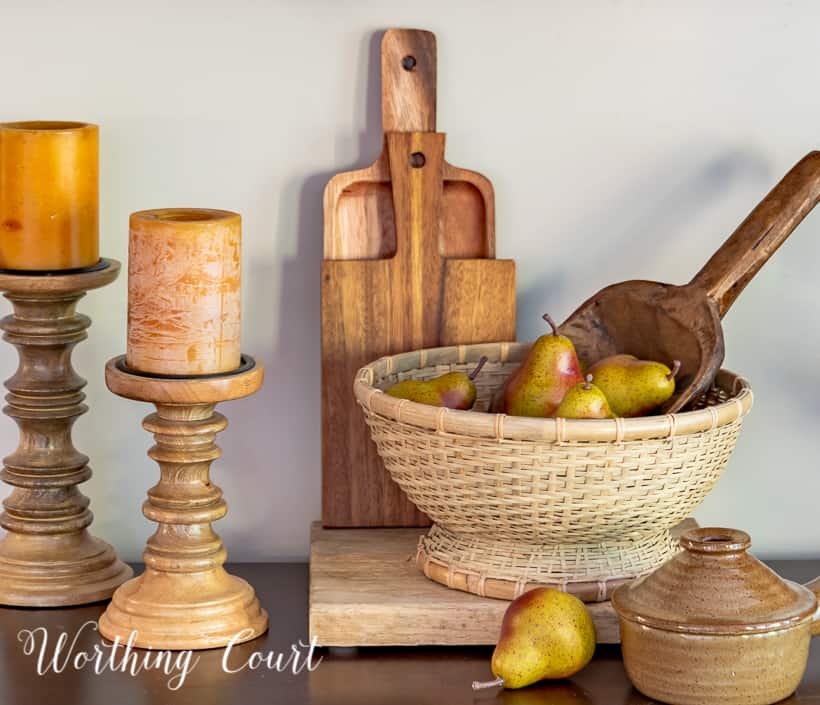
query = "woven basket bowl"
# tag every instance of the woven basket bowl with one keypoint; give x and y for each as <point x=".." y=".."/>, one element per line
<point x="584" y="505"/>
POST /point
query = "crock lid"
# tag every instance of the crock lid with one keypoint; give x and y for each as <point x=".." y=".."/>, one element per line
<point x="714" y="586"/>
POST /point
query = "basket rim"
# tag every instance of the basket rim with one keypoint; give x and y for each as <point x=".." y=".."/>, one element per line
<point x="480" y="424"/>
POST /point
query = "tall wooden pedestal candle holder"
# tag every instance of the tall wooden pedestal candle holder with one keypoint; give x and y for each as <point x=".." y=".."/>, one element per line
<point x="47" y="556"/>
<point x="185" y="599"/>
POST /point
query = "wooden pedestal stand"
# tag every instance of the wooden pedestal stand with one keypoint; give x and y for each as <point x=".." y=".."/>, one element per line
<point x="184" y="599"/>
<point x="47" y="556"/>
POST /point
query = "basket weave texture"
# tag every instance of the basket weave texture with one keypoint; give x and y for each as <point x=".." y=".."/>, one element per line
<point x="517" y="502"/>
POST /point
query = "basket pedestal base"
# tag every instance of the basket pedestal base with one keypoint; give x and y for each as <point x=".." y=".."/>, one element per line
<point x="505" y="570"/>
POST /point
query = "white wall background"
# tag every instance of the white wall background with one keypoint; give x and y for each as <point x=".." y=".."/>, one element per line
<point x="624" y="138"/>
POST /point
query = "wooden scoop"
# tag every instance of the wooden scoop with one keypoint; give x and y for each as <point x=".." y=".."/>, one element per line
<point x="663" y="322"/>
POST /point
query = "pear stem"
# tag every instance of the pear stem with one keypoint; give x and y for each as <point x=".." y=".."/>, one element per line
<point x="588" y="383"/>
<point x="551" y="322"/>
<point x="480" y="685"/>
<point x="481" y="362"/>
<point x="675" y="369"/>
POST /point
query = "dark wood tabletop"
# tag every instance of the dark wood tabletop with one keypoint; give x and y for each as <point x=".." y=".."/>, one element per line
<point x="373" y="676"/>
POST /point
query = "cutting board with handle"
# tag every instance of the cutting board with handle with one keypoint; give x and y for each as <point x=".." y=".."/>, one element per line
<point x="409" y="249"/>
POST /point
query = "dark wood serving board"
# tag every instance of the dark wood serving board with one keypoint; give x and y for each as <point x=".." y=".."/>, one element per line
<point x="409" y="263"/>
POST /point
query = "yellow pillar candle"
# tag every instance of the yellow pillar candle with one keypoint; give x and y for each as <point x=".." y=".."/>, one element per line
<point x="183" y="291"/>
<point x="49" y="183"/>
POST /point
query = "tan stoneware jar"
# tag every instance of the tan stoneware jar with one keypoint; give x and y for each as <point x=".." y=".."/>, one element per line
<point x="714" y="625"/>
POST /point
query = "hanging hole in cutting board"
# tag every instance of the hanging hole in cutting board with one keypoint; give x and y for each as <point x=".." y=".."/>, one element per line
<point x="408" y="63"/>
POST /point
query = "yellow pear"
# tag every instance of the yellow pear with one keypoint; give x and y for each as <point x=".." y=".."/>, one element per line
<point x="634" y="387"/>
<point x="455" y="390"/>
<point x="546" y="634"/>
<point x="584" y="401"/>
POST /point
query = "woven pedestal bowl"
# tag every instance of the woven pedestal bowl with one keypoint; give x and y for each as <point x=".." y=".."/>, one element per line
<point x="583" y="505"/>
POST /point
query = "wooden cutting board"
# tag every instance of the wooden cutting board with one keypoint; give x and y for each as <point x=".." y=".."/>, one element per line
<point x="409" y="263"/>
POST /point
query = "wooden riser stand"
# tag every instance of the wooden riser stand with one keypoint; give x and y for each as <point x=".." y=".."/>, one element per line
<point x="365" y="590"/>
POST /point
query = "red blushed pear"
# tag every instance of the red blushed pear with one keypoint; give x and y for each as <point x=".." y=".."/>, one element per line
<point x="455" y="390"/>
<point x="542" y="381"/>
<point x="546" y="634"/>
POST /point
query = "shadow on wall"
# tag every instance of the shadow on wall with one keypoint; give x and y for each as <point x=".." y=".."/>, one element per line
<point x="278" y="429"/>
<point x="645" y="225"/>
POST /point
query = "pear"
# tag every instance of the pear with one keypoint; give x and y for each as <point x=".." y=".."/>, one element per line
<point x="551" y="369"/>
<point x="584" y="401"/>
<point x="455" y="390"/>
<point x="634" y="387"/>
<point x="545" y="634"/>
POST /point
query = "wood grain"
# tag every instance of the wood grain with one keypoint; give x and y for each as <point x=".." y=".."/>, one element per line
<point x="48" y="557"/>
<point x="759" y="236"/>
<point x="664" y="322"/>
<point x="359" y="215"/>
<point x="379" y="307"/>
<point x="185" y="599"/>
<point x="360" y="222"/>
<point x="184" y="390"/>
<point x="365" y="590"/>
<point x="370" y="308"/>
<point x="392" y="233"/>
<point x="408" y="81"/>
<point x="478" y="302"/>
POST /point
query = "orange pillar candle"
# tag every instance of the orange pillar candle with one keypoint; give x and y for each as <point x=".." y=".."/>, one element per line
<point x="183" y="291"/>
<point x="49" y="184"/>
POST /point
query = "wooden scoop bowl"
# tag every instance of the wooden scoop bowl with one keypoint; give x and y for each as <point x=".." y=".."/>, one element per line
<point x="664" y="322"/>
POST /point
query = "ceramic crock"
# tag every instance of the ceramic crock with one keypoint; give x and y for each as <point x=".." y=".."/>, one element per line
<point x="714" y="625"/>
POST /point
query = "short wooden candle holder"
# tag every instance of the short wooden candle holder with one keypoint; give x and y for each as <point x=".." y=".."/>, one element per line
<point x="184" y="599"/>
<point x="47" y="556"/>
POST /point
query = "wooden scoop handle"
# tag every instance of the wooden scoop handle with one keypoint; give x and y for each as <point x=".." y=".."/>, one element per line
<point x="408" y="81"/>
<point x="757" y="238"/>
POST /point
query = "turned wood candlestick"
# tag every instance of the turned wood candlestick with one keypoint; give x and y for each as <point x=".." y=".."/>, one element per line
<point x="185" y="599"/>
<point x="47" y="556"/>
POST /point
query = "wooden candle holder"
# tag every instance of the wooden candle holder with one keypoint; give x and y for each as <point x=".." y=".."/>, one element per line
<point x="185" y="599"/>
<point x="47" y="556"/>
